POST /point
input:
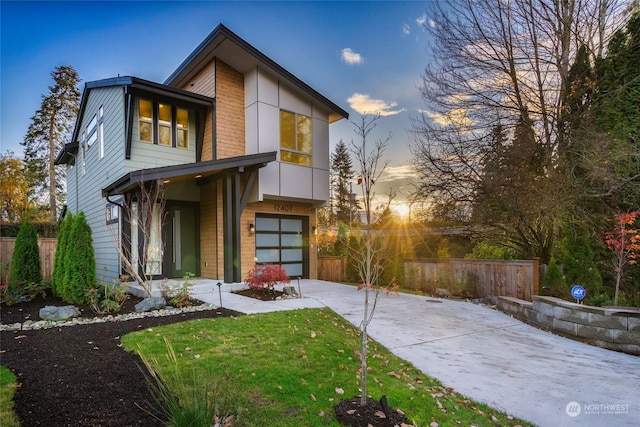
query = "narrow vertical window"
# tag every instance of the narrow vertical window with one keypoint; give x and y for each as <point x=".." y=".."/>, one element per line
<point x="182" y="128"/>
<point x="164" y="124"/>
<point x="145" y="126"/>
<point x="101" y="131"/>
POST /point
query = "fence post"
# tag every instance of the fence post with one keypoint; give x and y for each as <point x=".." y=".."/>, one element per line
<point x="536" y="276"/>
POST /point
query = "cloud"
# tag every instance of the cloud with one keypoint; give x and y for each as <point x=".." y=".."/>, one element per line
<point x="456" y="117"/>
<point x="350" y="57"/>
<point x="406" y="29"/>
<point x="432" y="23"/>
<point x="363" y="104"/>
<point x="421" y="19"/>
<point x="395" y="173"/>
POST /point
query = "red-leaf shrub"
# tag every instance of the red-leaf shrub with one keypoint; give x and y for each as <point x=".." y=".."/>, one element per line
<point x="266" y="277"/>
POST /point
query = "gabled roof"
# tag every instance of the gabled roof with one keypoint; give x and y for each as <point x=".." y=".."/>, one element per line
<point x="233" y="50"/>
<point x="187" y="172"/>
<point x="132" y="84"/>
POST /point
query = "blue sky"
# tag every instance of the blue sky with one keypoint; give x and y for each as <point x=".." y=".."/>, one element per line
<point x="364" y="56"/>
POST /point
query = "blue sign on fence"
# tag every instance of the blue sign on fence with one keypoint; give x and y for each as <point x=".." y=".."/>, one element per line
<point x="578" y="292"/>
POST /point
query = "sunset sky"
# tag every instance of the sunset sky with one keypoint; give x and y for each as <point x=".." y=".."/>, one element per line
<point x="366" y="57"/>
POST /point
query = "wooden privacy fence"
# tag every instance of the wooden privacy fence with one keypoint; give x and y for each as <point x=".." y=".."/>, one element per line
<point x="474" y="278"/>
<point x="47" y="256"/>
<point x="331" y="268"/>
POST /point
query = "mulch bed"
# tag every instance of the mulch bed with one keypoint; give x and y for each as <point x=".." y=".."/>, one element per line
<point x="373" y="413"/>
<point x="261" y="294"/>
<point x="78" y="375"/>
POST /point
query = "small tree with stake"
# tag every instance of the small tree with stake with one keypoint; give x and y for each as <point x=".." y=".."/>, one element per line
<point x="368" y="262"/>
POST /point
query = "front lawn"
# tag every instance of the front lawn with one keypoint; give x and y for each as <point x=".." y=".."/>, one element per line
<point x="291" y="368"/>
<point x="8" y="418"/>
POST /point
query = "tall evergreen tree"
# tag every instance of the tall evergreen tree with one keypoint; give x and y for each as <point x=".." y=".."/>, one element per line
<point x="49" y="129"/>
<point x="617" y="106"/>
<point x="342" y="175"/>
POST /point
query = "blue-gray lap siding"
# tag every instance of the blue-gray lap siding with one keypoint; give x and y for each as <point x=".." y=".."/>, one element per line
<point x="84" y="190"/>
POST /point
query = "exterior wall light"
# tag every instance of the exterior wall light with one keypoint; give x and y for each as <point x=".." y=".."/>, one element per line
<point x="252" y="228"/>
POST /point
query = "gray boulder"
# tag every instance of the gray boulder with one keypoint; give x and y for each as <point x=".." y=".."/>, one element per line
<point x="151" y="303"/>
<point x="51" y="312"/>
<point x="290" y="291"/>
<point x="443" y="293"/>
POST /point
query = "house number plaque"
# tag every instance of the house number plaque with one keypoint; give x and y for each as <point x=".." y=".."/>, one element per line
<point x="282" y="207"/>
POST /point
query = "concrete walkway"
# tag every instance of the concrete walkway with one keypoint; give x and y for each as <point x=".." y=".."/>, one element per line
<point x="482" y="353"/>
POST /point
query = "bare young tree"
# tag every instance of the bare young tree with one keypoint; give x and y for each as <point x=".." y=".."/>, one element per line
<point x="140" y="249"/>
<point x="368" y="261"/>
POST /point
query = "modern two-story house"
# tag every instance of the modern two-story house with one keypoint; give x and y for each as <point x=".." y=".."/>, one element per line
<point x="240" y="147"/>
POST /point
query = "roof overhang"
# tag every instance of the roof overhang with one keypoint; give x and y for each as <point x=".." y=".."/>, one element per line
<point x="188" y="172"/>
<point x="225" y="44"/>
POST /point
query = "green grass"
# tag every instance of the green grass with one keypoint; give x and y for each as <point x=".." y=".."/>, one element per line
<point x="8" y="418"/>
<point x="291" y="368"/>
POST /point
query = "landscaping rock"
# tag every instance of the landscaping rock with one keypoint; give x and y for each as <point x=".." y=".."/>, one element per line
<point x="289" y="291"/>
<point x="152" y="303"/>
<point x="50" y="312"/>
<point x="443" y="293"/>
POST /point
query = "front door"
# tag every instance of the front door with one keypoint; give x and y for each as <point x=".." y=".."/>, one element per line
<point x="181" y="234"/>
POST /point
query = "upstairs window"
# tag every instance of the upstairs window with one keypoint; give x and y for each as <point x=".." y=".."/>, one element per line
<point x="296" y="138"/>
<point x="146" y="120"/>
<point x="163" y="124"/>
<point x="182" y="128"/>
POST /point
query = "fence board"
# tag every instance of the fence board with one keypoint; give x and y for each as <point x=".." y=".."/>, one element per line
<point x="476" y="278"/>
<point x="47" y="255"/>
<point x="331" y="268"/>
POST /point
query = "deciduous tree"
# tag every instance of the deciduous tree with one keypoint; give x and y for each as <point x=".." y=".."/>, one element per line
<point x="496" y="95"/>
<point x="624" y="243"/>
<point x="13" y="189"/>
<point x="368" y="259"/>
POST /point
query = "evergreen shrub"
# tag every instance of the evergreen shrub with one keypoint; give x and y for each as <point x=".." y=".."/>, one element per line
<point x="79" y="263"/>
<point x="25" y="263"/>
<point x="61" y="249"/>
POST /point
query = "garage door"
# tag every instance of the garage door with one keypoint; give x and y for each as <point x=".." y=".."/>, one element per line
<point x="283" y="240"/>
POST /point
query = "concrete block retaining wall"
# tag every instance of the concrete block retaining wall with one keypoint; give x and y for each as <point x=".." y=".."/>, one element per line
<point x="615" y="329"/>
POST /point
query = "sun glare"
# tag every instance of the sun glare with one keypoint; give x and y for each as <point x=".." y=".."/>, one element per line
<point x="402" y="210"/>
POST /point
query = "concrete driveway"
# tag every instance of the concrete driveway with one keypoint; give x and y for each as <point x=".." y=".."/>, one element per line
<point x="485" y="355"/>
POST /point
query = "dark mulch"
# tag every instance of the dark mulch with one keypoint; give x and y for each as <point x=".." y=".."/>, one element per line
<point x="261" y="294"/>
<point x="79" y="376"/>
<point x="374" y="413"/>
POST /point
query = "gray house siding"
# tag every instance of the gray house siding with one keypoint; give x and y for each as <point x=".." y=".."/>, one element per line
<point x="98" y="172"/>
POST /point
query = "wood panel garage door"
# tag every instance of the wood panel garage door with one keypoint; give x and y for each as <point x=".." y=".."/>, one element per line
<point x="283" y="240"/>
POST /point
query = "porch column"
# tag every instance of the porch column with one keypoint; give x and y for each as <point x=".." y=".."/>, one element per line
<point x="231" y="211"/>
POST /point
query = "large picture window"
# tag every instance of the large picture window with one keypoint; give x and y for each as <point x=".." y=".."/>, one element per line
<point x="296" y="138"/>
<point x="163" y="124"/>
